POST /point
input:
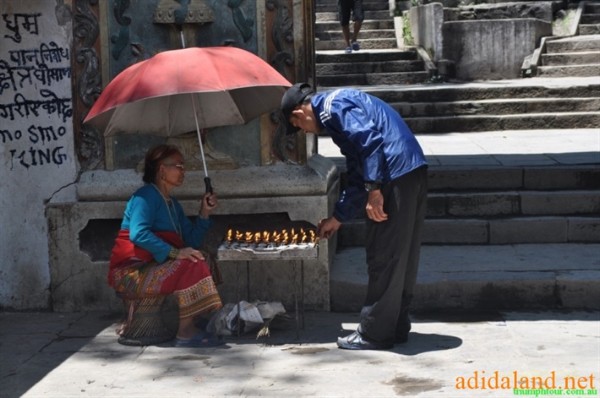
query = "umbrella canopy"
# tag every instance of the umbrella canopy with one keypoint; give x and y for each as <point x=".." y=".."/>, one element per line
<point x="179" y="91"/>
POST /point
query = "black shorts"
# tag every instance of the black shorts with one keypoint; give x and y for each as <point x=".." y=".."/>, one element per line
<point x="345" y="7"/>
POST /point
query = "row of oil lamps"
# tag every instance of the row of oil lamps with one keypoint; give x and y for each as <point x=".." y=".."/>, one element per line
<point x="282" y="237"/>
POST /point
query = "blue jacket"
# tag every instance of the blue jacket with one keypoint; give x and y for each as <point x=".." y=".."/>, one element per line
<point x="377" y="143"/>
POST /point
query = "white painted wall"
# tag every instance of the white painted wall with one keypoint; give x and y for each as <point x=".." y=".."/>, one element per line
<point x="37" y="161"/>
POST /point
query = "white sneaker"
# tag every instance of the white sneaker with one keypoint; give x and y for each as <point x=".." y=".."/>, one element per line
<point x="348" y="50"/>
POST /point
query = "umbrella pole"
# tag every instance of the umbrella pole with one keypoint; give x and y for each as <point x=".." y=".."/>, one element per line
<point x="207" y="182"/>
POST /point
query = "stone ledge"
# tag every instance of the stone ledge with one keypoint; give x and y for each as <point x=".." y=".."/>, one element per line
<point x="315" y="178"/>
<point x="513" y="277"/>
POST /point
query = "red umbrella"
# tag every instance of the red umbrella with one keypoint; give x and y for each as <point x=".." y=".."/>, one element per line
<point x="179" y="91"/>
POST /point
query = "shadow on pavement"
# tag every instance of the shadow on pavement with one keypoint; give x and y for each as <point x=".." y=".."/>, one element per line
<point x="32" y="345"/>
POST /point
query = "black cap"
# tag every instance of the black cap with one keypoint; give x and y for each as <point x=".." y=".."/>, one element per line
<point x="293" y="97"/>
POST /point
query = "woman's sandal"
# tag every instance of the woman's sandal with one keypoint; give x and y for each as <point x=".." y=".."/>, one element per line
<point x="200" y="339"/>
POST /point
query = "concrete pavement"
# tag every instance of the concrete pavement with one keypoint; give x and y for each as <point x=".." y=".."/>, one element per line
<point x="448" y="355"/>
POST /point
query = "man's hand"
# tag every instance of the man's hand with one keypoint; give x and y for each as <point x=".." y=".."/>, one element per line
<point x="375" y="206"/>
<point x="328" y="227"/>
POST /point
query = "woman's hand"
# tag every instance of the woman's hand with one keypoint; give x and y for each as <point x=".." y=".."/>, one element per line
<point x="208" y="204"/>
<point x="189" y="253"/>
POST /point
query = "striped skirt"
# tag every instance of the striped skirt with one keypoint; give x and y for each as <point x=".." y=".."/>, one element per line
<point x="190" y="282"/>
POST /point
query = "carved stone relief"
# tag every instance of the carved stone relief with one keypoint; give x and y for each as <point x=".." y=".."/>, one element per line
<point x="89" y="142"/>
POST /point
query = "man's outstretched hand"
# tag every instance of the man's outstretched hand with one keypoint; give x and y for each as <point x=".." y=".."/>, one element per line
<point x="327" y="227"/>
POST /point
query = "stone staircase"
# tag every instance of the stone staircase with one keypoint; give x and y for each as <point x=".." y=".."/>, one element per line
<point x="481" y="210"/>
<point x="571" y="56"/>
<point x="378" y="62"/>
<point x="446" y="108"/>
<point x="589" y="24"/>
<point x="574" y="50"/>
<point x="495" y="203"/>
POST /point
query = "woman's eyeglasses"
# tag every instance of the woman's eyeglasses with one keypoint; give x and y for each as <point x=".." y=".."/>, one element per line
<point x="180" y="166"/>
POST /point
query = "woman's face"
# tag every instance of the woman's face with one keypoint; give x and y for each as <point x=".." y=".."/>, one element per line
<point x="172" y="170"/>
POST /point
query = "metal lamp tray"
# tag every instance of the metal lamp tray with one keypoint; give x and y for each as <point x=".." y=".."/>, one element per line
<point x="241" y="252"/>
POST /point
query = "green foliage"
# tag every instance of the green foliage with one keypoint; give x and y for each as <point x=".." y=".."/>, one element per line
<point x="406" y="31"/>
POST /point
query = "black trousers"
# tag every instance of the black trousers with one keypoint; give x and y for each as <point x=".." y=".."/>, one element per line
<point x="393" y="249"/>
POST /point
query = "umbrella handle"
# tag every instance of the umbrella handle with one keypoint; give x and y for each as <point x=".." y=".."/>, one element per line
<point x="209" y="189"/>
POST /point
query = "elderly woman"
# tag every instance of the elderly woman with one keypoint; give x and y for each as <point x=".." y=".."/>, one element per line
<point x="156" y="250"/>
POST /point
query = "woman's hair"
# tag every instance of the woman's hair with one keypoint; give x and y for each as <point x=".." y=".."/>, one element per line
<point x="153" y="158"/>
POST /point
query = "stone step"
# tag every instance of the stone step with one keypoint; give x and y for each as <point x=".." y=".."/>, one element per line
<point x="527" y="178"/>
<point x="332" y="6"/>
<point x="513" y="203"/>
<point x="368" y="79"/>
<point x="569" y="70"/>
<point x="492" y="122"/>
<point x="328" y="69"/>
<point x="589" y="29"/>
<point x="464" y="178"/>
<point x="501" y="106"/>
<point x="590" y="19"/>
<point x="493" y="230"/>
<point x="591" y="8"/>
<point x="572" y="58"/>
<point x="337" y="35"/>
<point x="583" y="42"/>
<point x="365" y="44"/>
<point x="372" y="24"/>
<point x="366" y="3"/>
<point x="333" y="15"/>
<point x="513" y="105"/>
<point x="521" y="88"/>
<point x="483" y="277"/>
<point x="322" y="57"/>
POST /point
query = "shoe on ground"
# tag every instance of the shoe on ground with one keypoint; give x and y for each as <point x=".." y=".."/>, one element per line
<point x="401" y="338"/>
<point x="348" y="50"/>
<point x="355" y="341"/>
<point x="355" y="46"/>
<point x="403" y="327"/>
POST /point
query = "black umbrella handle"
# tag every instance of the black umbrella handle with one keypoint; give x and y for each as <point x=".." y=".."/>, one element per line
<point x="209" y="189"/>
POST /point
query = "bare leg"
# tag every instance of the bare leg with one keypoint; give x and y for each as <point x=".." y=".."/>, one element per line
<point x="187" y="329"/>
<point x="346" y="32"/>
<point x="357" y="25"/>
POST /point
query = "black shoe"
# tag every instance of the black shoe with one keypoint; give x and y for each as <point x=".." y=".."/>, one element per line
<point x="402" y="328"/>
<point x="401" y="338"/>
<point x="356" y="342"/>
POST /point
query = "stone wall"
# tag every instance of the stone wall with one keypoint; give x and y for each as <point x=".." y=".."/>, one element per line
<point x="480" y="49"/>
<point x="37" y="161"/>
<point x="491" y="49"/>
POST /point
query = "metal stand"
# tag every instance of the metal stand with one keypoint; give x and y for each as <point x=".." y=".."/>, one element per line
<point x="299" y="318"/>
<point x="295" y="254"/>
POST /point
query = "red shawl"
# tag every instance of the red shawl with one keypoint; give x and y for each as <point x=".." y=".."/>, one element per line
<point x="125" y="249"/>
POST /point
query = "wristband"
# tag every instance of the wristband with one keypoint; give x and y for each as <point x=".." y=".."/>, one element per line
<point x="372" y="186"/>
<point x="173" y="253"/>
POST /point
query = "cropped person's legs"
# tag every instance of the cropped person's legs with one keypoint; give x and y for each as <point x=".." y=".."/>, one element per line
<point x="344" y="11"/>
<point x="358" y="17"/>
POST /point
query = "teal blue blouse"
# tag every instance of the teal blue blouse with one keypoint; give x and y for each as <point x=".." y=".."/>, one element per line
<point x="147" y="212"/>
